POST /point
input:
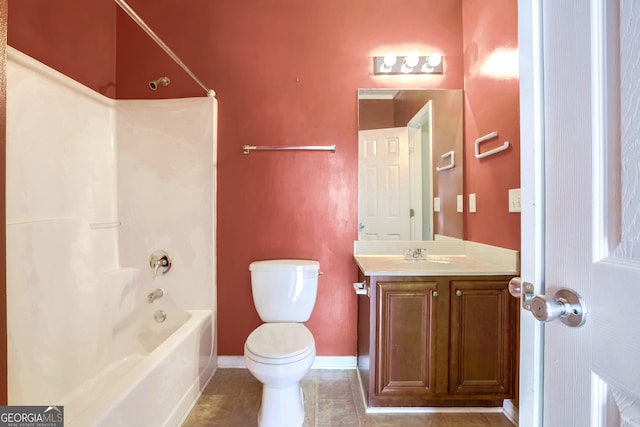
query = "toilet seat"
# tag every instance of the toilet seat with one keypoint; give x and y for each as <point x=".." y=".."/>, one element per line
<point x="279" y="343"/>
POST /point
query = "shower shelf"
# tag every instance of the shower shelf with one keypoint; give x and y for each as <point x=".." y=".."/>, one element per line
<point x="103" y="225"/>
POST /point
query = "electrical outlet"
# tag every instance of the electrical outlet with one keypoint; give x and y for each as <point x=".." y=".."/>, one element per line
<point x="514" y="200"/>
<point x="436" y="204"/>
<point x="459" y="203"/>
<point x="472" y="202"/>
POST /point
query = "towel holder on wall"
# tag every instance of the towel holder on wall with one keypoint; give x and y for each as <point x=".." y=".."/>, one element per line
<point x="247" y="148"/>
<point x="490" y="152"/>
<point x="451" y="164"/>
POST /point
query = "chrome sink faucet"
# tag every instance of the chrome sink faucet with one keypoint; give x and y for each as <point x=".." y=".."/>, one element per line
<point x="415" y="253"/>
<point x="154" y="295"/>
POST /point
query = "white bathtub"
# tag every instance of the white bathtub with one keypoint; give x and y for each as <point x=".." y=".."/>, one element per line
<point x="154" y="375"/>
<point x="90" y="342"/>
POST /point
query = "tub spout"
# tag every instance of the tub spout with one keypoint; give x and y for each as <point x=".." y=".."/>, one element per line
<point x="158" y="293"/>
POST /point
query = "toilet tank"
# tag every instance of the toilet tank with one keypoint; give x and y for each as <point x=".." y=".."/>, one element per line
<point x="284" y="290"/>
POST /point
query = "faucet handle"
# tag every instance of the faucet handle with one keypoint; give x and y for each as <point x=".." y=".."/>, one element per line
<point x="160" y="262"/>
<point x="408" y="253"/>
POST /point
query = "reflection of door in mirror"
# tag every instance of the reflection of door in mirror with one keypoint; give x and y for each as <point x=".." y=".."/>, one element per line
<point x="431" y="120"/>
<point x="383" y="184"/>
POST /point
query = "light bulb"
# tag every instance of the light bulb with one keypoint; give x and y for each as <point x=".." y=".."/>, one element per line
<point x="411" y="60"/>
<point x="390" y="59"/>
<point x="434" y="60"/>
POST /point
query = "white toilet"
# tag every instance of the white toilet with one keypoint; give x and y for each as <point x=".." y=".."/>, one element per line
<point x="281" y="351"/>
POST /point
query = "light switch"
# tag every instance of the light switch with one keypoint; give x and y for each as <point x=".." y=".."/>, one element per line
<point x="514" y="200"/>
<point x="436" y="204"/>
<point x="459" y="202"/>
<point x="472" y="202"/>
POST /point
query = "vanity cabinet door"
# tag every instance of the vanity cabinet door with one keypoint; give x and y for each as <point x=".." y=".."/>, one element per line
<point x="482" y="341"/>
<point x="406" y="339"/>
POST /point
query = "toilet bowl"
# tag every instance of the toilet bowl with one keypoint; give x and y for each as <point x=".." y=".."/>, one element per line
<point x="279" y="355"/>
<point x="281" y="351"/>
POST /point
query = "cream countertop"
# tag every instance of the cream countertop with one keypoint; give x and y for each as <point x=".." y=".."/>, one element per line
<point x="444" y="258"/>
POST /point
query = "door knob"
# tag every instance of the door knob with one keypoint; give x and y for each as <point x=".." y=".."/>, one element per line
<point x="566" y="305"/>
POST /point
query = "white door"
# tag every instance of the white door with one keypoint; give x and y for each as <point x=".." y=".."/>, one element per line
<point x="587" y="205"/>
<point x="383" y="184"/>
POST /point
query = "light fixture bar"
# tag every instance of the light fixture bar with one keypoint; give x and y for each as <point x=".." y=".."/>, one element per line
<point x="427" y="64"/>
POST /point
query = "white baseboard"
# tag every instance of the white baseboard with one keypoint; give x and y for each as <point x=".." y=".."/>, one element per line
<point x="335" y="362"/>
<point x="433" y="410"/>
<point x="511" y="411"/>
<point x="321" y="362"/>
<point x="231" y="362"/>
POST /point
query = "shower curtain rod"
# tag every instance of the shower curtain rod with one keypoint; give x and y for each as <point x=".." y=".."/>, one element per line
<point x="124" y="6"/>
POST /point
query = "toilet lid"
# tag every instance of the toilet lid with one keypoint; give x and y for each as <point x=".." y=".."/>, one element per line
<point x="279" y="340"/>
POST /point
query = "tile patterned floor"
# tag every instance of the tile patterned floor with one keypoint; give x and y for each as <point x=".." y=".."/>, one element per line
<point x="332" y="399"/>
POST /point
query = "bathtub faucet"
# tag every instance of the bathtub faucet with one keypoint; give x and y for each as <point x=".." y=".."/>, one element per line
<point x="160" y="263"/>
<point x="158" y="293"/>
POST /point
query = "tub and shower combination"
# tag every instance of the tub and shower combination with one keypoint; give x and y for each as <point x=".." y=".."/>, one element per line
<point x="123" y="362"/>
<point x="89" y="198"/>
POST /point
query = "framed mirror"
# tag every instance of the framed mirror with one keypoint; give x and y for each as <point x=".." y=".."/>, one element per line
<point x="410" y="170"/>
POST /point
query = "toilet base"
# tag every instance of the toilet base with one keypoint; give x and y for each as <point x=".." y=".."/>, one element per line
<point x="281" y="407"/>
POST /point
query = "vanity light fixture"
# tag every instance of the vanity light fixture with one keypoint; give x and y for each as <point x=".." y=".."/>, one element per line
<point x="409" y="64"/>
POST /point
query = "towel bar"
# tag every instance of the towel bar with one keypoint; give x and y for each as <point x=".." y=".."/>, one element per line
<point x="247" y="148"/>
<point x="490" y="152"/>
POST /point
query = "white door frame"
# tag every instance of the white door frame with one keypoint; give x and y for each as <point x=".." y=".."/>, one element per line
<point x="532" y="219"/>
<point x="421" y="194"/>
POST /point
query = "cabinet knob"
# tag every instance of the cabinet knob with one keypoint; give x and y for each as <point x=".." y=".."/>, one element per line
<point x="435" y="293"/>
<point x="458" y="293"/>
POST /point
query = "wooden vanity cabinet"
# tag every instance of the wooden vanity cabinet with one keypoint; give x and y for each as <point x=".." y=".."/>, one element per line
<point x="407" y="339"/>
<point x="437" y="341"/>
<point x="482" y="338"/>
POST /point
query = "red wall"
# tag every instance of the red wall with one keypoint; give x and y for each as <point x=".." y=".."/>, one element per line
<point x="491" y="104"/>
<point x="77" y="38"/>
<point x="285" y="72"/>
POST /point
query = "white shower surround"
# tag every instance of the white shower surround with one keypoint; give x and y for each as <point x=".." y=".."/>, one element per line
<point x="79" y="164"/>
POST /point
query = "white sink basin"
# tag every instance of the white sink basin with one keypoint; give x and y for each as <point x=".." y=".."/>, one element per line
<point x="395" y="265"/>
<point x="429" y="263"/>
